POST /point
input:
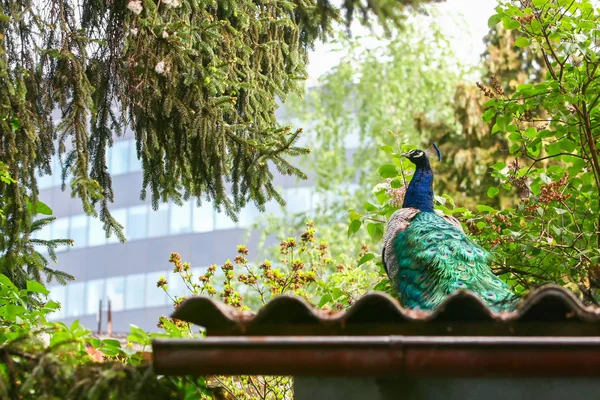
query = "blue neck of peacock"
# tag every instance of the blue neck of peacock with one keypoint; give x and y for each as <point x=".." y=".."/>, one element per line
<point x="419" y="194"/>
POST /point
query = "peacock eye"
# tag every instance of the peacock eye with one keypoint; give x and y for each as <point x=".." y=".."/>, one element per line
<point x="418" y="154"/>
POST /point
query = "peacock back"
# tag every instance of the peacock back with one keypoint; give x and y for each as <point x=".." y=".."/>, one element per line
<point x="432" y="259"/>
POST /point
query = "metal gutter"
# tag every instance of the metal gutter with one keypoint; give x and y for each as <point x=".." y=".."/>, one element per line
<point x="380" y="356"/>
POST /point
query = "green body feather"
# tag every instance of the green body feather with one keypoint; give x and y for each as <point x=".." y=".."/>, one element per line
<point x="435" y="259"/>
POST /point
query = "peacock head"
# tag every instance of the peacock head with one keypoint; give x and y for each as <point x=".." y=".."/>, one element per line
<point x="419" y="157"/>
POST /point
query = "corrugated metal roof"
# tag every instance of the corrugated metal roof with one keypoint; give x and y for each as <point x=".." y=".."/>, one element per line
<point x="550" y="334"/>
<point x="548" y="311"/>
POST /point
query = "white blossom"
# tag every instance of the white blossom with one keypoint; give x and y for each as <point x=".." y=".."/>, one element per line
<point x="134" y="31"/>
<point x="160" y="68"/>
<point x="135" y="6"/>
<point x="165" y="34"/>
<point x="175" y="3"/>
<point x="167" y="2"/>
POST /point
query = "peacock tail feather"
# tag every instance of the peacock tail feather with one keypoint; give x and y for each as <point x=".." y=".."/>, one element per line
<point x="435" y="259"/>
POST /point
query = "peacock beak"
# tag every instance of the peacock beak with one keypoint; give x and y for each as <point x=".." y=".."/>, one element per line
<point x="404" y="155"/>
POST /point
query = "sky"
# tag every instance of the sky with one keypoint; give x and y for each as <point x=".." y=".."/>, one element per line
<point x="456" y="16"/>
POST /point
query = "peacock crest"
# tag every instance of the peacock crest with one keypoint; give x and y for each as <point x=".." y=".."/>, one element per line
<point x="428" y="256"/>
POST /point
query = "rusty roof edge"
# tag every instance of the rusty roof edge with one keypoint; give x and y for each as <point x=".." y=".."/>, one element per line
<point x="201" y="310"/>
<point x="379" y="356"/>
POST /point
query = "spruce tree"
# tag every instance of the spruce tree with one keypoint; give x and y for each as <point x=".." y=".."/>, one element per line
<point x="196" y="80"/>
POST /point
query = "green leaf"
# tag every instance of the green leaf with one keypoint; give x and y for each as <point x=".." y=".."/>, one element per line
<point x="388" y="171"/>
<point x="510" y="23"/>
<point x="354" y="227"/>
<point x="15" y="124"/>
<point x="396" y="183"/>
<point x="499" y="165"/>
<point x="494" y="20"/>
<point x="111" y="343"/>
<point x="42" y="208"/>
<point x="36" y="287"/>
<point x="484" y="208"/>
<point x="387" y="149"/>
<point x="493" y="192"/>
<point x="522" y="42"/>
<point x="567" y="145"/>
<point x="324" y="300"/>
<point x="375" y="231"/>
<point x="524" y="86"/>
<point x="365" y="258"/>
<point x="353" y="215"/>
<point x="383" y="285"/>
<point x="369" y="207"/>
<point x="336" y="293"/>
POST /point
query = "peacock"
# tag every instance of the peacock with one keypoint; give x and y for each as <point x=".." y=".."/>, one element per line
<point x="428" y="256"/>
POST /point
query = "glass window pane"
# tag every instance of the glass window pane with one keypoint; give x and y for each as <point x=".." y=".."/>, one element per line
<point x="222" y="221"/>
<point x="95" y="293"/>
<point x="203" y="217"/>
<point x="158" y="224"/>
<point x="45" y="233"/>
<point x="196" y="273"/>
<point x="273" y="207"/>
<point x="134" y="295"/>
<point x="248" y="215"/>
<point x="58" y="293"/>
<point x="75" y="299"/>
<point x="56" y="171"/>
<point x="137" y="222"/>
<point x="181" y="218"/>
<point x="134" y="163"/>
<point x="115" y="292"/>
<point x="177" y="287"/>
<point x="119" y="157"/>
<point x="297" y="199"/>
<point x="96" y="234"/>
<point x="120" y="216"/>
<point x="60" y="230"/>
<point x="155" y="296"/>
<point x="79" y="230"/>
<point x="44" y="181"/>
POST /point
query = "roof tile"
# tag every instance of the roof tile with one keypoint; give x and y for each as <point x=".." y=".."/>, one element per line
<point x="379" y="313"/>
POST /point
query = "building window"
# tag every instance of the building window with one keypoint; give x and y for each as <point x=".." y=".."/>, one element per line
<point x="223" y="221"/>
<point x="134" y="164"/>
<point x="56" y="171"/>
<point x="44" y="181"/>
<point x="135" y="293"/>
<point x="120" y="215"/>
<point x="60" y="230"/>
<point x="248" y="215"/>
<point x="137" y="222"/>
<point x="204" y="220"/>
<point x="79" y="230"/>
<point x="96" y="234"/>
<point x="44" y="233"/>
<point x="273" y="207"/>
<point x="159" y="221"/>
<point x="115" y="292"/>
<point x="58" y="293"/>
<point x="181" y="218"/>
<point x="75" y="299"/>
<point x="95" y="293"/>
<point x="119" y="157"/>
<point x="297" y="199"/>
<point x="155" y="296"/>
<point x="177" y="287"/>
